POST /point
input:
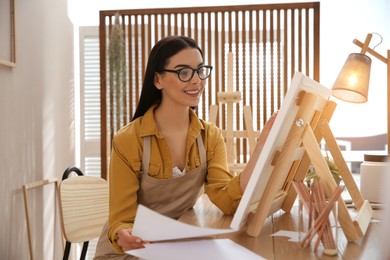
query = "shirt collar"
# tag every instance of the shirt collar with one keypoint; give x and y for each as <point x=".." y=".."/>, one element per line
<point x="149" y="126"/>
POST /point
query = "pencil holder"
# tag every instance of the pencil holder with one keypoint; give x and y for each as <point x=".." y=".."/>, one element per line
<point x="318" y="224"/>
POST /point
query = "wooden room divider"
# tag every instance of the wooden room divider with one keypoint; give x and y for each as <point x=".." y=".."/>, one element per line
<point x="269" y="43"/>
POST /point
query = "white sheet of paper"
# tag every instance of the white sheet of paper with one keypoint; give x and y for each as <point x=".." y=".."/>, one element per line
<point x="152" y="226"/>
<point x="208" y="249"/>
<point x="292" y="235"/>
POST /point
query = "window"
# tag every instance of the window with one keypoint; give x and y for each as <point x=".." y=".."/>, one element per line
<point x="90" y="101"/>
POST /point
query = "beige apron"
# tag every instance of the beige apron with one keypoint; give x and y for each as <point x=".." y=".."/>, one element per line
<point x="170" y="197"/>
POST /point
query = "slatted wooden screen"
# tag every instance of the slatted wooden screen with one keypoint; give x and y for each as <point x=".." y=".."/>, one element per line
<point x="269" y="43"/>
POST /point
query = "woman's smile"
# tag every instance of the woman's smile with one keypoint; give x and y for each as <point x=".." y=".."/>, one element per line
<point x="194" y="92"/>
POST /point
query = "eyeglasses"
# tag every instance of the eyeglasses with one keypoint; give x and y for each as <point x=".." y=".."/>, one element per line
<point x="186" y="74"/>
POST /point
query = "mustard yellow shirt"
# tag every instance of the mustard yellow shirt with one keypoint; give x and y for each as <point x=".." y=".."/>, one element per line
<point x="221" y="186"/>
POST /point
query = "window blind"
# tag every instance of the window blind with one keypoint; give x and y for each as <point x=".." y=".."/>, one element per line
<point x="90" y="101"/>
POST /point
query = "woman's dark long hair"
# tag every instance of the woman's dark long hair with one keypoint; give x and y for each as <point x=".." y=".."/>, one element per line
<point x="158" y="58"/>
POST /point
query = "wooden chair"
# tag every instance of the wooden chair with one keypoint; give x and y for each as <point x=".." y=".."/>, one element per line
<point x="83" y="208"/>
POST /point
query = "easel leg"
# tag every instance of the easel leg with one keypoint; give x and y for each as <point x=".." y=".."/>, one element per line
<point x="341" y="165"/>
<point x="365" y="210"/>
<point x="352" y="231"/>
<point x="300" y="168"/>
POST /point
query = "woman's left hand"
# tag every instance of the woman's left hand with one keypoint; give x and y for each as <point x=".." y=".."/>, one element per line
<point x="247" y="172"/>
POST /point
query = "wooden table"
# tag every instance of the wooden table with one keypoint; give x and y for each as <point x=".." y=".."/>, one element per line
<point x="205" y="214"/>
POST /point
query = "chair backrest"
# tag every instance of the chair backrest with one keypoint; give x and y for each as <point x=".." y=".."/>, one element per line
<point x="84" y="207"/>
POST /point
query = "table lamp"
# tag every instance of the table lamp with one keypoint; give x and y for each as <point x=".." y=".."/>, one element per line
<point x="352" y="83"/>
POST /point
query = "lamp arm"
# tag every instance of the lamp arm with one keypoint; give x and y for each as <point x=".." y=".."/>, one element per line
<point x="366" y="43"/>
<point x="370" y="51"/>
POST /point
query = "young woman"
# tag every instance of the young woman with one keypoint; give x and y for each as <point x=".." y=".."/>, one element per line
<point x="166" y="154"/>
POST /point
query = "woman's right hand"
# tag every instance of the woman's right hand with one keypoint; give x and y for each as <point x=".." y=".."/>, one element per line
<point x="129" y="242"/>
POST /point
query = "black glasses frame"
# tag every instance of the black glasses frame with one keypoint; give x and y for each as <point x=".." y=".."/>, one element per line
<point x="193" y="72"/>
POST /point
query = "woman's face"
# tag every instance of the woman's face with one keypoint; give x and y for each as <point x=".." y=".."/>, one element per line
<point x="175" y="91"/>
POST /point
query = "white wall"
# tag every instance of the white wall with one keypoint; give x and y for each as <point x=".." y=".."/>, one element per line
<point x="36" y="133"/>
<point x="37" y="99"/>
<point x="341" y="23"/>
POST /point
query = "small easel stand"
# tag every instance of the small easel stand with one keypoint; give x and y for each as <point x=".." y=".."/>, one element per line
<point x="229" y="98"/>
<point x="300" y="150"/>
<point x="26" y="188"/>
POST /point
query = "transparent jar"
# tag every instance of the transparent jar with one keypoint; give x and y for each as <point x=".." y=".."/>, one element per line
<point x="318" y="227"/>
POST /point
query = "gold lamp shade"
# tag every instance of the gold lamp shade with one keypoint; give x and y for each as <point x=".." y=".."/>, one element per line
<point x="352" y="83"/>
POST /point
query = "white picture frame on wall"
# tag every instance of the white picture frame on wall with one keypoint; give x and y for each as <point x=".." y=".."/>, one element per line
<point x="7" y="33"/>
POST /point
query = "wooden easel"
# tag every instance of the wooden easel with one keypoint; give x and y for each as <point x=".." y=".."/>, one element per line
<point x="229" y="98"/>
<point x="292" y="162"/>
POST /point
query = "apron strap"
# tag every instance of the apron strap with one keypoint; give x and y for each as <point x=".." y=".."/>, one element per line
<point x="146" y="154"/>
<point x="202" y="150"/>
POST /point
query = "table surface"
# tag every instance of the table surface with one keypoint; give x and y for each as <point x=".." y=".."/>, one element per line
<point x="205" y="214"/>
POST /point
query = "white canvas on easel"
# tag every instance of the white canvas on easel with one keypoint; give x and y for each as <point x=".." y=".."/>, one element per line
<point x="274" y="142"/>
<point x="293" y="139"/>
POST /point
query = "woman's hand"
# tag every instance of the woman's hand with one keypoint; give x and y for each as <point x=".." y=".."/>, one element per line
<point x="129" y="242"/>
<point x="247" y="172"/>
